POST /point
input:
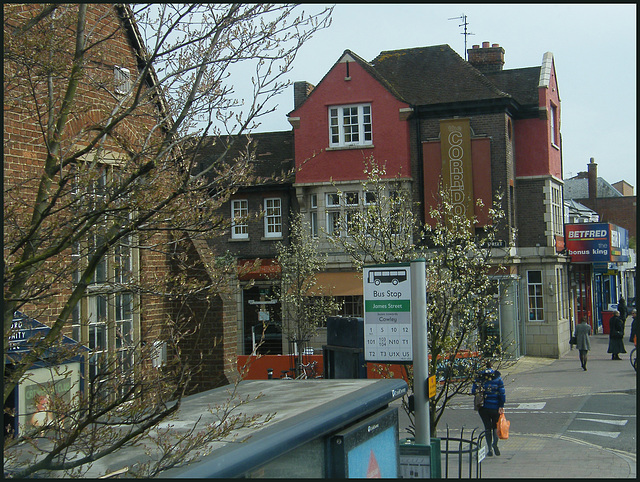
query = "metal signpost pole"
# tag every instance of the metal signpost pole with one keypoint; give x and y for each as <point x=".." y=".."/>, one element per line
<point x="420" y="351"/>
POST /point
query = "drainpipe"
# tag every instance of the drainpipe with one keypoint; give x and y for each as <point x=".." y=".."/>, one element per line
<point x="420" y="169"/>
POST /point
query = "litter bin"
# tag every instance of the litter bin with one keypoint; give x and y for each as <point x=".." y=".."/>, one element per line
<point x="606" y="318"/>
<point x="343" y="355"/>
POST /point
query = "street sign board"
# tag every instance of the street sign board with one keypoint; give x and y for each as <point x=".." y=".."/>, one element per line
<point x="432" y="386"/>
<point x="387" y="313"/>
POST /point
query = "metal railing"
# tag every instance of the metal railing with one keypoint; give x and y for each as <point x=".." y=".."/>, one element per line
<point x="462" y="454"/>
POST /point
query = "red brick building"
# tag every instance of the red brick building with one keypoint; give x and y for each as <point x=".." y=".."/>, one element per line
<point x="111" y="319"/>
<point x="413" y="108"/>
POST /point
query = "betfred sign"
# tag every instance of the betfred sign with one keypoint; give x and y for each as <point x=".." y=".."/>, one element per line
<point x="596" y="243"/>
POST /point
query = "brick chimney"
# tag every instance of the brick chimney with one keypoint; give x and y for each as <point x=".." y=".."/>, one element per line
<point x="593" y="178"/>
<point x="301" y="91"/>
<point x="486" y="59"/>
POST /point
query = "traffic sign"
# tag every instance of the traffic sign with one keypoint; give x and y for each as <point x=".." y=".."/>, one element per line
<point x="432" y="386"/>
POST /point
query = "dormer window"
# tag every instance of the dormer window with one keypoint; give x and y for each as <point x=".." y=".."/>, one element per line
<point x="350" y="125"/>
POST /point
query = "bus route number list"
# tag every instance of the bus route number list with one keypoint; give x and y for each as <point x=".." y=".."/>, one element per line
<point x="387" y="315"/>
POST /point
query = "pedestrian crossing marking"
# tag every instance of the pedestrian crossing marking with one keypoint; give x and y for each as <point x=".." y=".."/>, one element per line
<point x="610" y="422"/>
<point x="595" y="432"/>
<point x="531" y="406"/>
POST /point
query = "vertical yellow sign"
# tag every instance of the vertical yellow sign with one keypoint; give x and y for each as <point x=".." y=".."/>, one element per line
<point x="432" y="386"/>
<point x="457" y="171"/>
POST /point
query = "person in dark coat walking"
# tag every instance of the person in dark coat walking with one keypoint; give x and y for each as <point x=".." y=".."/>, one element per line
<point x="491" y="383"/>
<point x="622" y="308"/>
<point x="616" y="334"/>
<point x="583" y="342"/>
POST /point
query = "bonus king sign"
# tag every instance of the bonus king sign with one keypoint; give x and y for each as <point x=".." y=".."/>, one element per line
<point x="387" y="313"/>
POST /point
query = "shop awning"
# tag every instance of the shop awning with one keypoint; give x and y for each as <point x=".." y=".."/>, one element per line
<point x="346" y="283"/>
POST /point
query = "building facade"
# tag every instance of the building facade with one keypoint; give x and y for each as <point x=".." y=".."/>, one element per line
<point x="599" y="281"/>
<point x="257" y="219"/>
<point x="411" y="108"/>
<point x="113" y="319"/>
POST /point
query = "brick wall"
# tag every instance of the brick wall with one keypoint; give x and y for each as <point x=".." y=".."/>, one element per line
<point x="256" y="245"/>
<point x="209" y="322"/>
<point x="495" y="127"/>
<point x="24" y="159"/>
<point x="620" y="211"/>
<point x="530" y="220"/>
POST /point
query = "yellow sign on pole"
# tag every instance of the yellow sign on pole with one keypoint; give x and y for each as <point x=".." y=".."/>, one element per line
<point x="432" y="386"/>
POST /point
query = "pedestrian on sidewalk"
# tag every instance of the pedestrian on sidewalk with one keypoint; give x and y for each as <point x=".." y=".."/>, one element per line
<point x="616" y="334"/>
<point x="490" y="382"/>
<point x="583" y="342"/>
<point x="622" y="308"/>
<point x="634" y="327"/>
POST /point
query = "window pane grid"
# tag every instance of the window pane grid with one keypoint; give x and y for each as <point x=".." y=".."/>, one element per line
<point x="366" y="121"/>
<point x="350" y="125"/>
<point x="273" y="217"/>
<point x="333" y="223"/>
<point x="239" y="213"/>
<point x="534" y="288"/>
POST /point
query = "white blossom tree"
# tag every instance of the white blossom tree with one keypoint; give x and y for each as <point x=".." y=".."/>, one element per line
<point x="304" y="308"/>
<point x="459" y="261"/>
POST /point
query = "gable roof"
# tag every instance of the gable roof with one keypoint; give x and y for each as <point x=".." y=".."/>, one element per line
<point x="579" y="213"/>
<point x="434" y="75"/>
<point x="429" y="76"/>
<point x="125" y="13"/>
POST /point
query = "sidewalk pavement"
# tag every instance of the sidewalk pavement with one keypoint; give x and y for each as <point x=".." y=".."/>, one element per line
<point x="553" y="456"/>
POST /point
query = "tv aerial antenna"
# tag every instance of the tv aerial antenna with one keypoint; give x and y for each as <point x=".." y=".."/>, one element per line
<point x="466" y="33"/>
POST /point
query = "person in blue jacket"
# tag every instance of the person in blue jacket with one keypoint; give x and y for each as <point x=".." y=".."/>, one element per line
<point x="490" y="381"/>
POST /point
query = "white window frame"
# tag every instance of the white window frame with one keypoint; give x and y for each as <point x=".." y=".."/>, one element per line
<point x="352" y="198"/>
<point x="350" y="125"/>
<point x="370" y="198"/>
<point x="334" y="223"/>
<point x="273" y="217"/>
<point x="535" y="297"/>
<point x="239" y="211"/>
<point x="333" y="200"/>
<point x="553" y="114"/>
<point x="313" y="214"/>
<point x="313" y="221"/>
<point x="105" y="319"/>
<point x="121" y="80"/>
<point x="557" y="217"/>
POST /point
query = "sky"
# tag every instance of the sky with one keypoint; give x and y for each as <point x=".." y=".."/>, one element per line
<point x="594" y="48"/>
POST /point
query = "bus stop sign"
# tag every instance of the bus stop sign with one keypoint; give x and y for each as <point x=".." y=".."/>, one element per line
<point x="387" y="313"/>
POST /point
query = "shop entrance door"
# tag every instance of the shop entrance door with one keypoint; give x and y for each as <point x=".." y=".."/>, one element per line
<point x="581" y="274"/>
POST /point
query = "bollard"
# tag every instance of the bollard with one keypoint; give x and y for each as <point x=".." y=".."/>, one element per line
<point x="269" y="373"/>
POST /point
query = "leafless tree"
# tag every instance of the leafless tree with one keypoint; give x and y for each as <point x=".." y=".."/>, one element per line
<point x="100" y="171"/>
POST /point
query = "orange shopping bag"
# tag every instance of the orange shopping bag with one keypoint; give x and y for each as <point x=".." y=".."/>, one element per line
<point x="503" y="427"/>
